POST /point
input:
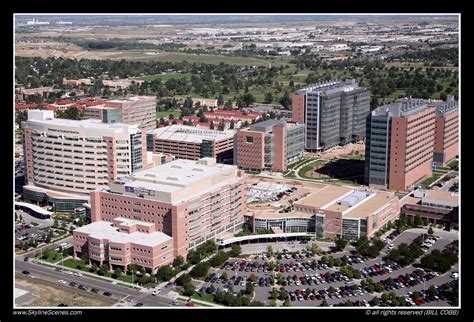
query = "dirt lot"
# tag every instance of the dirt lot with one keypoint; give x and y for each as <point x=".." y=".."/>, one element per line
<point x="52" y="294"/>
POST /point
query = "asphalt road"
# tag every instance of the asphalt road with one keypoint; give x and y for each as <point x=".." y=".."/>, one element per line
<point x="118" y="292"/>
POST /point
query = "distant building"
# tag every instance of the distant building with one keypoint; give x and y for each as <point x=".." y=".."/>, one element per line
<point x="400" y="144"/>
<point x="333" y="113"/>
<point x="136" y="110"/>
<point x="121" y="83"/>
<point x="43" y="92"/>
<point x="269" y="145"/>
<point x="104" y="113"/>
<point x="76" y="82"/>
<point x="236" y="116"/>
<point x="187" y="142"/>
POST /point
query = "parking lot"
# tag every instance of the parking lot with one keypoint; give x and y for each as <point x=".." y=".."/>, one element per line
<point x="308" y="281"/>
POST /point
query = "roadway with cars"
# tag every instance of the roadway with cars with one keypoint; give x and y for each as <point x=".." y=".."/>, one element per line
<point x="118" y="292"/>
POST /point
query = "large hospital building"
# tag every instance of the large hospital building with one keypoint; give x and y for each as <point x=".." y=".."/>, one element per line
<point x="269" y="145"/>
<point x="157" y="214"/>
<point x="188" y="142"/>
<point x="333" y="113"/>
<point x="134" y="110"/>
<point x="334" y="211"/>
<point x="405" y="138"/>
<point x="76" y="157"/>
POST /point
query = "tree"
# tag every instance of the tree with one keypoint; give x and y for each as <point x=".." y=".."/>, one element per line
<point x="324" y="303"/>
<point x="283" y="294"/>
<point x="252" y="277"/>
<point x="117" y="273"/>
<point x="55" y="223"/>
<point x="340" y="244"/>
<point x="228" y="105"/>
<point x="274" y="294"/>
<point x="287" y="303"/>
<point x="184" y="279"/>
<point x="165" y="273"/>
<point x="224" y="275"/>
<point x="218" y="259"/>
<point x="103" y="270"/>
<point x="272" y="303"/>
<point x="270" y="250"/>
<point x="178" y="261"/>
<point x="200" y="270"/>
<point x="249" y="288"/>
<point x="269" y="98"/>
<point x="418" y="221"/>
<point x="235" y="250"/>
<point x="285" y="101"/>
<point x="430" y="231"/>
<point x="94" y="268"/>
<point x="189" y="289"/>
<point x="220" y="100"/>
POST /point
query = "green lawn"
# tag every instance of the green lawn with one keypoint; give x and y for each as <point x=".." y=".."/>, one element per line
<point x="309" y="167"/>
<point x="164" y="77"/>
<point x="430" y="180"/>
<point x="454" y="165"/>
<point x="52" y="257"/>
<point x="207" y="297"/>
<point x="214" y="59"/>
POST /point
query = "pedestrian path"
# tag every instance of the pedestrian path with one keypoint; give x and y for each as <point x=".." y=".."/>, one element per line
<point x="185" y="299"/>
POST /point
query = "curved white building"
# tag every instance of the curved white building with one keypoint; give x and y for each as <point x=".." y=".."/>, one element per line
<point x="79" y="156"/>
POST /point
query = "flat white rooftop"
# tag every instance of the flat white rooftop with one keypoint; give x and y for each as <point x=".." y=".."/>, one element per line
<point x="130" y="99"/>
<point x="105" y="230"/>
<point x="45" y="120"/>
<point x="179" y="173"/>
<point x="177" y="181"/>
<point x="191" y="134"/>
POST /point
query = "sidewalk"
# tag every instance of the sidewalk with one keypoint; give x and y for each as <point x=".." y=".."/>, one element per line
<point x="105" y="278"/>
<point x="185" y="299"/>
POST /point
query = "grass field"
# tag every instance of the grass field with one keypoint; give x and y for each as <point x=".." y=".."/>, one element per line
<point x="203" y="58"/>
<point x="431" y="179"/>
<point x="164" y="77"/>
<point x="51" y="294"/>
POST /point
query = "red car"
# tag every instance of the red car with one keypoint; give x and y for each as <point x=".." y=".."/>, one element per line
<point x="298" y="292"/>
<point x="419" y="301"/>
<point x="282" y="269"/>
<point x="191" y="304"/>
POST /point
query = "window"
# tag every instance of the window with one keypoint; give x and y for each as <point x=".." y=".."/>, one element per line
<point x="249" y="139"/>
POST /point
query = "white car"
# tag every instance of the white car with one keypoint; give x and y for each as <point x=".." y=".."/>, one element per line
<point x="68" y="272"/>
<point x="62" y="282"/>
<point x="156" y="292"/>
<point x="455" y="275"/>
<point x="78" y="274"/>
